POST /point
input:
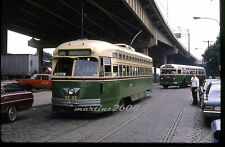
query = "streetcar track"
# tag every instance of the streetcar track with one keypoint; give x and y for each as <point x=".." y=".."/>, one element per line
<point x="113" y="131"/>
<point x="130" y="120"/>
<point x="33" y="123"/>
<point x="65" y="132"/>
<point x="170" y="133"/>
<point x="61" y="133"/>
<point x="26" y="126"/>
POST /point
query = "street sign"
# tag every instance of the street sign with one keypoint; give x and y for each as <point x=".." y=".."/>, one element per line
<point x="178" y="35"/>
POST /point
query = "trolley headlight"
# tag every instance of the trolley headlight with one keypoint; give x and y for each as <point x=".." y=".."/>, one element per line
<point x="161" y="78"/>
<point x="174" y="78"/>
<point x="71" y="91"/>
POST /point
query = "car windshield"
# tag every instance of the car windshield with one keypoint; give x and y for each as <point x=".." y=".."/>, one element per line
<point x="168" y="71"/>
<point x="206" y="84"/>
<point x="214" y="89"/>
<point x="85" y="67"/>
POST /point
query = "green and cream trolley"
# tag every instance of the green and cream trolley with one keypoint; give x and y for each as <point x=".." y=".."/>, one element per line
<point x="93" y="74"/>
<point x="179" y="75"/>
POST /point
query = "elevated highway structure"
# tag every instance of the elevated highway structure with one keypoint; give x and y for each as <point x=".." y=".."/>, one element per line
<point x="115" y="21"/>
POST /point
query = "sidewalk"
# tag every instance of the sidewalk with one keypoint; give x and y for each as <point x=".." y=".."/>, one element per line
<point x="42" y="97"/>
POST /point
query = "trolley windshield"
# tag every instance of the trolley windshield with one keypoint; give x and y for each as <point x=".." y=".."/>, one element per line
<point x="85" y="66"/>
<point x="168" y="71"/>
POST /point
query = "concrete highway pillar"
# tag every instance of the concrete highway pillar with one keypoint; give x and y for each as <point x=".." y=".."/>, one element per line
<point x="4" y="36"/>
<point x="164" y="59"/>
<point x="144" y="51"/>
<point x="40" y="58"/>
<point x="170" y="60"/>
<point x="154" y="76"/>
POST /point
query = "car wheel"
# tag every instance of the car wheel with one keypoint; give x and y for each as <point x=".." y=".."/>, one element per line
<point x="11" y="115"/>
<point x="28" y="87"/>
<point x="201" y="102"/>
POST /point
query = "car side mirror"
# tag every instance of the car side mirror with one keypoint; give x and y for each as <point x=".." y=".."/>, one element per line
<point x="204" y="90"/>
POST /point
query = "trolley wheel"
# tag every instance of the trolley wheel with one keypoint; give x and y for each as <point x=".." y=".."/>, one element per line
<point x="122" y="103"/>
<point x="183" y="84"/>
<point x="165" y="86"/>
<point x="11" y="114"/>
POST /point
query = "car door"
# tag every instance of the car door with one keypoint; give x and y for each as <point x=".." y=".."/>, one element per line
<point x="45" y="82"/>
<point x="15" y="95"/>
<point x="36" y="83"/>
<point x="3" y="100"/>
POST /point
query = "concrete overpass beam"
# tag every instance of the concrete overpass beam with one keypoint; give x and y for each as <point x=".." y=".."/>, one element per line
<point x="146" y="44"/>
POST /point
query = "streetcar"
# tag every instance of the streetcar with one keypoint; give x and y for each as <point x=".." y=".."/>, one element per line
<point x="94" y="74"/>
<point x="180" y="75"/>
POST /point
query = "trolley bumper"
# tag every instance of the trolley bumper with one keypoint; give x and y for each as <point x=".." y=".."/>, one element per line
<point x="76" y="102"/>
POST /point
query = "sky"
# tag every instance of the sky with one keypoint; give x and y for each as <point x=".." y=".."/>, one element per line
<point x="18" y="44"/>
<point x="178" y="14"/>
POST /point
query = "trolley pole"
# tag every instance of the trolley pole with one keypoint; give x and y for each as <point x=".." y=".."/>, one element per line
<point x="82" y="19"/>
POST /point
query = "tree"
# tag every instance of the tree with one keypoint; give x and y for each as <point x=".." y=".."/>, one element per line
<point x="212" y="58"/>
<point x="47" y="59"/>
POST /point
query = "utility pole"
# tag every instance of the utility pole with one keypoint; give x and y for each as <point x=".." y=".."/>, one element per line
<point x="187" y="33"/>
<point x="208" y="42"/>
<point x="189" y="50"/>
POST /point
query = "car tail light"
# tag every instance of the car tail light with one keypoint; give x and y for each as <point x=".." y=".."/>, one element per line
<point x="207" y="108"/>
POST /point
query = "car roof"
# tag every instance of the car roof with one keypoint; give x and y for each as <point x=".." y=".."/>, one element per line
<point x="215" y="82"/>
<point x="43" y="74"/>
<point x="212" y="80"/>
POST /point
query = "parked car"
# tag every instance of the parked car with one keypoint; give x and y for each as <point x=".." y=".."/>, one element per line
<point x="211" y="107"/>
<point x="202" y="89"/>
<point x="216" y="128"/>
<point x="37" y="81"/>
<point x="14" y="98"/>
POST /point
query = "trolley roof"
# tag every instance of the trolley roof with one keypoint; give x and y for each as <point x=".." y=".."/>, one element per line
<point x="180" y="66"/>
<point x="100" y="48"/>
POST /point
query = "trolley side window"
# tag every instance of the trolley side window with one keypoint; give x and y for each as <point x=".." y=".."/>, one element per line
<point x="120" y="70"/>
<point x="105" y="67"/>
<point x="107" y="64"/>
<point x="124" y="70"/>
<point x="179" y="71"/>
<point x="115" y="70"/>
<point x="64" y="67"/>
